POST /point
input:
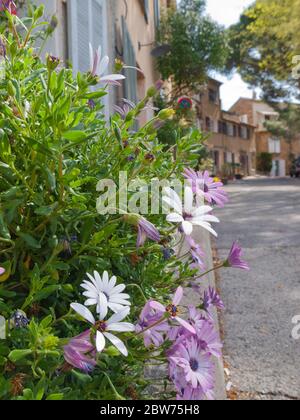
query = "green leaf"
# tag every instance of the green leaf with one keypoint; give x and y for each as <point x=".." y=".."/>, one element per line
<point x="47" y="291"/>
<point x="55" y="397"/>
<point x="46" y="210"/>
<point x="95" y="95"/>
<point x="75" y="135"/>
<point x="46" y="321"/>
<point x="30" y="240"/>
<point x="16" y="355"/>
<point x="82" y="377"/>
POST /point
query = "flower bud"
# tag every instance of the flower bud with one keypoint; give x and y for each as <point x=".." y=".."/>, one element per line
<point x="52" y="62"/>
<point x="166" y="114"/>
<point x="38" y="13"/>
<point x="151" y="92"/>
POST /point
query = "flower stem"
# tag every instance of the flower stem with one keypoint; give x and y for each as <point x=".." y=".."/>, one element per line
<point x="117" y="395"/>
<point x="160" y="321"/>
<point x="140" y="289"/>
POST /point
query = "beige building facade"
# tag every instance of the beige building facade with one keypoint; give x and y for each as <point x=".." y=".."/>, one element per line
<point x="231" y="138"/>
<point x="283" y="151"/>
<point x="125" y="29"/>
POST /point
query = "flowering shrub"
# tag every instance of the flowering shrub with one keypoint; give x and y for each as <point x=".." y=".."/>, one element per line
<point x="77" y="287"/>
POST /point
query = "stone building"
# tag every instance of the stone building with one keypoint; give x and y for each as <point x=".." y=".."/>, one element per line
<point x="283" y="151"/>
<point x="231" y="137"/>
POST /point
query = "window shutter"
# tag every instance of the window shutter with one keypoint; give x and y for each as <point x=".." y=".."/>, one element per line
<point x="86" y="26"/>
<point x="83" y="36"/>
<point x="146" y="8"/>
<point x="157" y="12"/>
<point x="129" y="59"/>
<point x="97" y="23"/>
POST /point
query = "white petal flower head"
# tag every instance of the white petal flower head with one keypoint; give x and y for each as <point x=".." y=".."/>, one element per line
<point x="105" y="294"/>
<point x="104" y="328"/>
<point x="187" y="214"/>
<point x="98" y="67"/>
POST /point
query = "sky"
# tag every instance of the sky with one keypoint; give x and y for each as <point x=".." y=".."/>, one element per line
<point x="227" y="12"/>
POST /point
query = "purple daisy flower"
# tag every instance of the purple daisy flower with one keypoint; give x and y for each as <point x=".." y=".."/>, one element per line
<point x="211" y="189"/>
<point x="146" y="230"/>
<point x="195" y="363"/>
<point x="152" y="336"/>
<point x="124" y="110"/>
<point x="234" y="259"/>
<point x="8" y="5"/>
<point x="191" y="394"/>
<point x="173" y="310"/>
<point x="211" y="298"/>
<point x="196" y="251"/>
<point x="208" y="338"/>
<point x="81" y="353"/>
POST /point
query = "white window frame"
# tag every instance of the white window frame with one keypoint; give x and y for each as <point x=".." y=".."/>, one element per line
<point x="274" y="146"/>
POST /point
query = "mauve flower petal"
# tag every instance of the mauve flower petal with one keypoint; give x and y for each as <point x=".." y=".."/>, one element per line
<point x="186" y="325"/>
<point x="157" y="306"/>
<point x="178" y="296"/>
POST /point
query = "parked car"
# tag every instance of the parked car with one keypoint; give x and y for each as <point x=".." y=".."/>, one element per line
<point x="295" y="170"/>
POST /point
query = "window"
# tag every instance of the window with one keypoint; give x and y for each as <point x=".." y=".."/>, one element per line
<point x="213" y="96"/>
<point x="130" y="59"/>
<point x="274" y="146"/>
<point x="230" y="130"/>
<point x="234" y="131"/>
<point x="208" y="124"/>
<point x="220" y="127"/>
<point x="243" y="133"/>
<point x="86" y="22"/>
<point x="216" y="158"/>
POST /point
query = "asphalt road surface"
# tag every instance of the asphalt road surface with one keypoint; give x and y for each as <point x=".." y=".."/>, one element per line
<point x="263" y="358"/>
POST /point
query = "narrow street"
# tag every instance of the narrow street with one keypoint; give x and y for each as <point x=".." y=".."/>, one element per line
<point x="264" y="360"/>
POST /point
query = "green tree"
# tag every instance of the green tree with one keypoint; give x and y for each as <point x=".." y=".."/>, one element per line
<point x="197" y="45"/>
<point x="264" y="48"/>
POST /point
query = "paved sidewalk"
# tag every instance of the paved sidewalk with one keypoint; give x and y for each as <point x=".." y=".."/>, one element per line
<point x="264" y="360"/>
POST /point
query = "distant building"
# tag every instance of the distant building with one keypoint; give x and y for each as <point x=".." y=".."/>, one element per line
<point x="283" y="151"/>
<point x="231" y="137"/>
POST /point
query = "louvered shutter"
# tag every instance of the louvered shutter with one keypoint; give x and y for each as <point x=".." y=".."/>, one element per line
<point x="83" y="36"/>
<point x="157" y="12"/>
<point x="86" y="23"/>
<point x="146" y="8"/>
<point x="129" y="59"/>
<point x="97" y="23"/>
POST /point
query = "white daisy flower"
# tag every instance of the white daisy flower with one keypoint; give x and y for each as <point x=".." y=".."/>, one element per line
<point x="98" y="67"/>
<point x="104" y="293"/>
<point x="188" y="215"/>
<point x="104" y="328"/>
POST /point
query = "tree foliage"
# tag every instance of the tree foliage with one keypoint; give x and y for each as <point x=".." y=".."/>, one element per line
<point x="197" y="45"/>
<point x="264" y="45"/>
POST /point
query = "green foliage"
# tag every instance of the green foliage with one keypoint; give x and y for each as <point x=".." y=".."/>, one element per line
<point x="54" y="149"/>
<point x="197" y="45"/>
<point x="264" y="43"/>
<point x="264" y="163"/>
